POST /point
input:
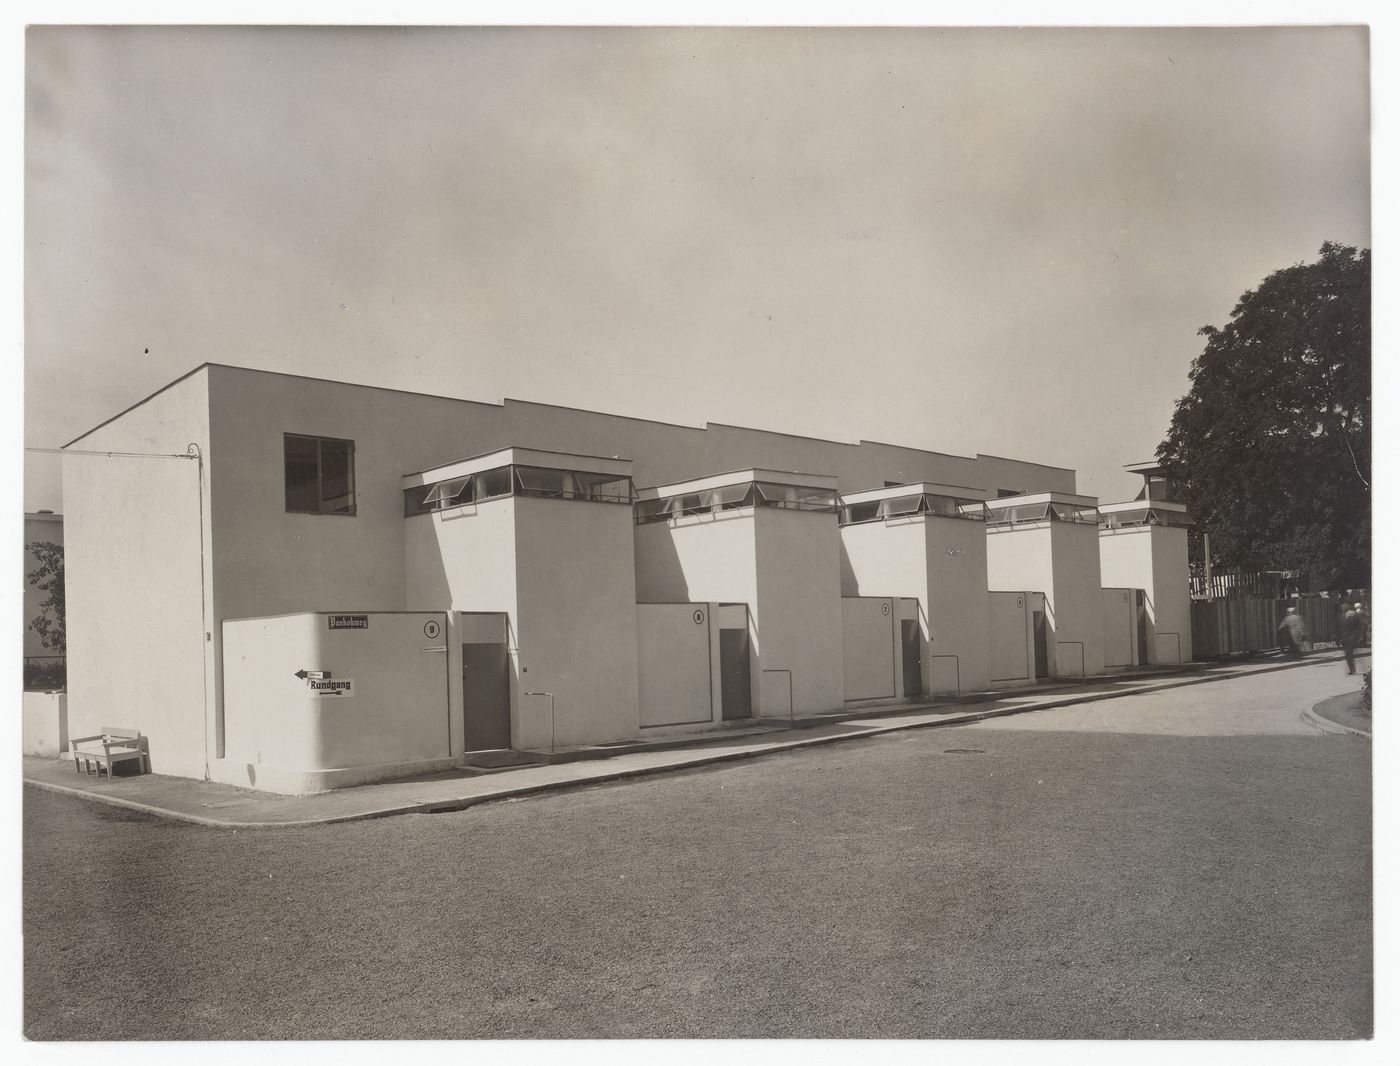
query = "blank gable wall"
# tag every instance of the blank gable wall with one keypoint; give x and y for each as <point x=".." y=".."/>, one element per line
<point x="133" y="553"/>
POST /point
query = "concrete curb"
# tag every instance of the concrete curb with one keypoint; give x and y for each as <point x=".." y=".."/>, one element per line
<point x="1329" y="726"/>
<point x="209" y="823"/>
<point x="520" y="791"/>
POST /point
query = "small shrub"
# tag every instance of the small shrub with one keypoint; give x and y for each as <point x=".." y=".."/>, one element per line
<point x="1366" y="690"/>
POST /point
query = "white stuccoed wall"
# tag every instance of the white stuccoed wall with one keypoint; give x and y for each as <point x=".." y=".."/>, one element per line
<point x="869" y="631"/>
<point x="577" y="622"/>
<point x="1077" y="610"/>
<point x="1060" y="559"/>
<point x="785" y="565"/>
<point x="958" y="618"/>
<point x="1012" y="635"/>
<point x="135" y="588"/>
<point x="798" y="613"/>
<point x="1154" y="559"/>
<point x="943" y="563"/>
<point x="282" y="738"/>
<point x="677" y="660"/>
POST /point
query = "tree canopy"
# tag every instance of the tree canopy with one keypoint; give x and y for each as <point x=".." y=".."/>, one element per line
<point x="1273" y="442"/>
<point x="51" y="621"/>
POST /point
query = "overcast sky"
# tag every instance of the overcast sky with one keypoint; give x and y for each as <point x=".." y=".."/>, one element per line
<point x="963" y="240"/>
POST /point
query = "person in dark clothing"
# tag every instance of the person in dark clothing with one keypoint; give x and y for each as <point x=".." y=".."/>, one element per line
<point x="1365" y="617"/>
<point x="1353" y="629"/>
<point x="1292" y="634"/>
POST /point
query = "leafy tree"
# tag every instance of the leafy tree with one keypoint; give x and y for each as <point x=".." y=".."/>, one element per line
<point x="1273" y="442"/>
<point x="47" y="577"/>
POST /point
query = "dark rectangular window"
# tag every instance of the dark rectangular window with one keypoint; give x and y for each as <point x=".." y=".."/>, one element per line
<point x="320" y="474"/>
<point x="491" y="484"/>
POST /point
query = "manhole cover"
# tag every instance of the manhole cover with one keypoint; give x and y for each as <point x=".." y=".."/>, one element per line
<point x="964" y="751"/>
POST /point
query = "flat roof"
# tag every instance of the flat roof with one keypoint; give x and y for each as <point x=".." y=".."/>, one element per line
<point x="964" y="492"/>
<point x="516" y="455"/>
<point x="1044" y="497"/>
<point x="1145" y="469"/>
<point x="739" y="477"/>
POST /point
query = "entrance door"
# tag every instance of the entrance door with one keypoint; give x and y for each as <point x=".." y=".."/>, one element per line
<point x="735" y="694"/>
<point x="909" y="645"/>
<point x="1141" y="627"/>
<point x="486" y="696"/>
<point x="1042" y="656"/>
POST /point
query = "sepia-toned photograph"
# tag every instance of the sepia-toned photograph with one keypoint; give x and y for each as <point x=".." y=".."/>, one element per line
<point x="696" y="533"/>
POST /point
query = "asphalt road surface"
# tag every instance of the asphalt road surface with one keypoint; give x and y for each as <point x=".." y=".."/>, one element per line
<point x="1194" y="863"/>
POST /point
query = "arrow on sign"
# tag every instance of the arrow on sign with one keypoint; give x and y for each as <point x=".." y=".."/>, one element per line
<point x="301" y="674"/>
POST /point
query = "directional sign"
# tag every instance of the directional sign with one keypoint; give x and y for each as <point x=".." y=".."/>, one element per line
<point x="340" y="686"/>
<point x="304" y="674"/>
<point x="347" y="621"/>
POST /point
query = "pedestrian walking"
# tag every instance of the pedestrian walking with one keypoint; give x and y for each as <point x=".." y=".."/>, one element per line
<point x="1292" y="634"/>
<point x="1353" y="629"/>
<point x="1365" y="617"/>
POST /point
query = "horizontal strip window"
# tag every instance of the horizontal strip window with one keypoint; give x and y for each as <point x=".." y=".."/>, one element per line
<point x="1041" y="512"/>
<point x="503" y="481"/>
<point x="1071" y="512"/>
<point x="732" y="497"/>
<point x="795" y="497"/>
<point x="572" y="485"/>
<point x="919" y="503"/>
<point x="1145" y="516"/>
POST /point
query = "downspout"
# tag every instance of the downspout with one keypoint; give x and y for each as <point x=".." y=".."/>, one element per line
<point x="195" y="453"/>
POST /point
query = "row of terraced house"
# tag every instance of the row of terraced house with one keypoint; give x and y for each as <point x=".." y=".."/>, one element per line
<point x="296" y="584"/>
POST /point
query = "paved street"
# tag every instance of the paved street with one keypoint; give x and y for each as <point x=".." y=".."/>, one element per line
<point x="1188" y="863"/>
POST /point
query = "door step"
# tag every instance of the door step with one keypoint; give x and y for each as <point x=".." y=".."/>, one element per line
<point x="494" y="761"/>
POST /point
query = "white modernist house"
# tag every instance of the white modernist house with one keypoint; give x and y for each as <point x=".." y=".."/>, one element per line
<point x="293" y="584"/>
<point x="927" y="543"/>
<point x="766" y="539"/>
<point x="1142" y="546"/>
<point x="1047" y="542"/>
<point x="542" y="543"/>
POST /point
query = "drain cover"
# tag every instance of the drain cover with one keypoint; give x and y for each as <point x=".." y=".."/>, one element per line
<point x="964" y="751"/>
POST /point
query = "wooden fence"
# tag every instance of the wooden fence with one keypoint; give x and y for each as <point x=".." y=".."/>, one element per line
<point x="1240" y="624"/>
<point x="1262" y="584"/>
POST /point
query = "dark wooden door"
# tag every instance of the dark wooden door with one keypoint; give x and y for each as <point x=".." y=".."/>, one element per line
<point x="1042" y="652"/>
<point x="1141" y="627"/>
<point x="735" y="694"/>
<point x="486" y="696"/>
<point x="909" y="641"/>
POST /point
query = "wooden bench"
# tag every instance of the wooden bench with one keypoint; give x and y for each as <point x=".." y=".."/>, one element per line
<point x="106" y="749"/>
